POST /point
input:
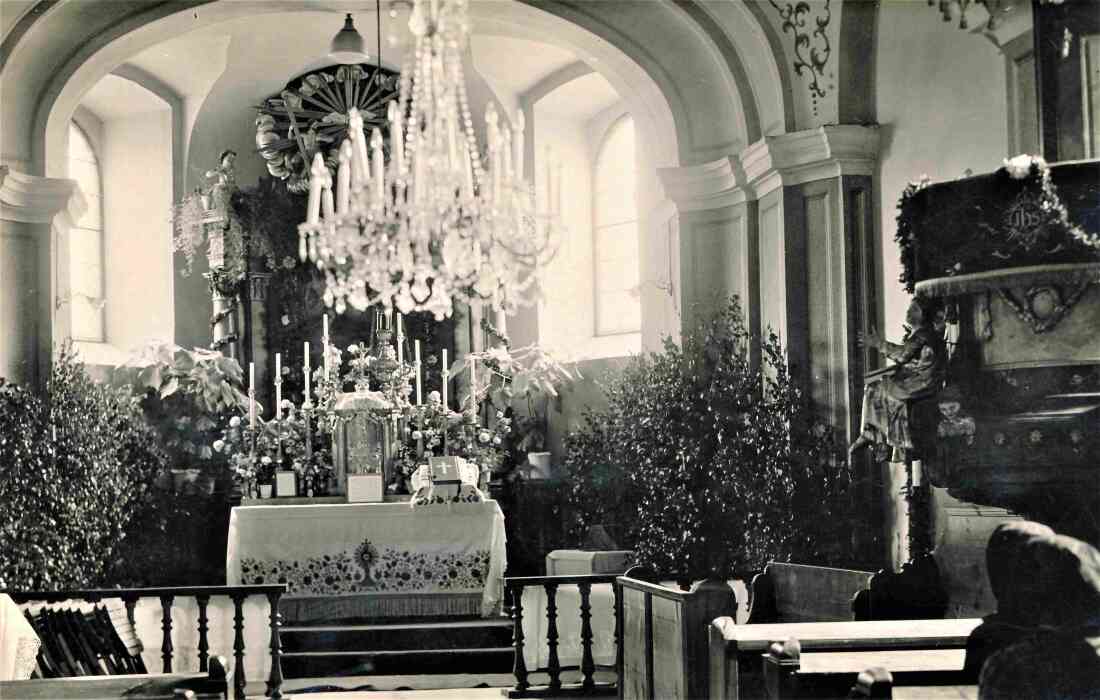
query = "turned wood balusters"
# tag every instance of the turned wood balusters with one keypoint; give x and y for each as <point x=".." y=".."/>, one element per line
<point x="202" y="594"/>
<point x="555" y="687"/>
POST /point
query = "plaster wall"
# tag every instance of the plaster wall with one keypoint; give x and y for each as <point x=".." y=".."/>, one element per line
<point x="941" y="101"/>
<point x="18" y="301"/>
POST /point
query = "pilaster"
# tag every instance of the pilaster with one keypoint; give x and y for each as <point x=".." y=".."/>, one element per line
<point x="36" y="214"/>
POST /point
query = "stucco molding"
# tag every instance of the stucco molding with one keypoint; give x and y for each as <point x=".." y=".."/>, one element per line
<point x="813" y="154"/>
<point x="772" y="162"/>
<point x="712" y="185"/>
<point x="37" y="200"/>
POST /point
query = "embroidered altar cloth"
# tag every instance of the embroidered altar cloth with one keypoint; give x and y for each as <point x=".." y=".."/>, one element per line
<point x="360" y="560"/>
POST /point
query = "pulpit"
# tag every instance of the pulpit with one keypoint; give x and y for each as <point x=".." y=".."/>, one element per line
<point x="1015" y="257"/>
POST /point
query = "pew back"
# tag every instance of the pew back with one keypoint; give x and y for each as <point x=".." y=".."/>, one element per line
<point x="735" y="650"/>
<point x="664" y="646"/>
<point x="801" y="593"/>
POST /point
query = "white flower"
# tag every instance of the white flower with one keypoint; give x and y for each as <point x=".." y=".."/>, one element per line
<point x="416" y="435"/>
<point x="353" y="348"/>
<point x="434" y="397"/>
<point x="483" y="436"/>
<point x="219" y="445"/>
<point x="285" y="320"/>
<point x="496" y="441"/>
<point x="235" y="422"/>
<point x="265" y="460"/>
<point x="1019" y="167"/>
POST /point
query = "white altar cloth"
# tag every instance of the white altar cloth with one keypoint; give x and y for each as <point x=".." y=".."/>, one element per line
<point x="361" y="560"/>
<point x="536" y="655"/>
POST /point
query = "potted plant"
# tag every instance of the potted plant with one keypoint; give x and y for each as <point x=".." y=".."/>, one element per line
<point x="528" y="377"/>
<point x="187" y="396"/>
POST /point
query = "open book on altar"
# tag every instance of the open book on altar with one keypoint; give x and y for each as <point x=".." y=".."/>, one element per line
<point x="446" y="480"/>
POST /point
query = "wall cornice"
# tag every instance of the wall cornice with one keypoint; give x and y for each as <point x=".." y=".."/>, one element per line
<point x="772" y="162"/>
<point x="37" y="200"/>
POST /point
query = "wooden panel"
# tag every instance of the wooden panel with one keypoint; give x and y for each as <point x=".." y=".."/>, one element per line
<point x="876" y="634"/>
<point x="668" y="650"/>
<point x="816" y="593"/>
<point x="773" y="293"/>
<point x="635" y="670"/>
<point x="893" y="660"/>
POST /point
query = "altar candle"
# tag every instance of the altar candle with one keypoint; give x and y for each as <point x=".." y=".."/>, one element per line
<point x="473" y="381"/>
<point x="517" y="144"/>
<point x="400" y="342"/>
<point x="252" y="395"/>
<point x="416" y="356"/>
<point x="379" y="167"/>
<point x="324" y="342"/>
<point x="305" y="353"/>
<point x="446" y="376"/>
<point x="278" y="386"/>
<point x="343" y="178"/>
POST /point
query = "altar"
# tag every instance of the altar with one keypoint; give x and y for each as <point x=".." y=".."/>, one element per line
<point x="371" y="560"/>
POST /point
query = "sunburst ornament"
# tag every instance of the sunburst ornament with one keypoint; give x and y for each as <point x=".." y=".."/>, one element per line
<point x="310" y="116"/>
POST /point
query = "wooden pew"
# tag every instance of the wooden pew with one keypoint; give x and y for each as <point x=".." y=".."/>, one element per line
<point x="211" y="685"/>
<point x="878" y="683"/>
<point x="735" y="650"/>
<point x="663" y="643"/>
<point x="801" y="593"/>
<point x="790" y="674"/>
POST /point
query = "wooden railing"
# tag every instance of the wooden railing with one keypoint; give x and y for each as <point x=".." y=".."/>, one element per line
<point x="202" y="595"/>
<point x="587" y="667"/>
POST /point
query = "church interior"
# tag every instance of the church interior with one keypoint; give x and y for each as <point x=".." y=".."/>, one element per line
<point x="549" y="348"/>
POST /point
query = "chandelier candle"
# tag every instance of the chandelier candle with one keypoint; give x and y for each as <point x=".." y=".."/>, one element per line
<point x="435" y="225"/>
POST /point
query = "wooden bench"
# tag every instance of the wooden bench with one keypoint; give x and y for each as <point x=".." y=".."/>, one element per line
<point x="664" y="645"/>
<point x="735" y="650"/>
<point x="801" y="593"/>
<point x="791" y="674"/>
<point x="212" y="685"/>
<point x="880" y="684"/>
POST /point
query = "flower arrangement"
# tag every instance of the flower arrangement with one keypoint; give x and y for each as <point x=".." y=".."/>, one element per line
<point x="255" y="454"/>
<point x="1014" y="217"/>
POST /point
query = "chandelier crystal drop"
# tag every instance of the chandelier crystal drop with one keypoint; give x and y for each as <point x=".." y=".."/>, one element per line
<point x="435" y="224"/>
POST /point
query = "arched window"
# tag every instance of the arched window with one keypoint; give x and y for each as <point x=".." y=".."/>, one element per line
<point x="615" y="232"/>
<point x="86" y="242"/>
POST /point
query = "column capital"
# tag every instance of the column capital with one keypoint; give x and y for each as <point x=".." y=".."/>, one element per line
<point x="258" y="283"/>
<point x="814" y="154"/>
<point x="773" y="161"/>
<point x="37" y="200"/>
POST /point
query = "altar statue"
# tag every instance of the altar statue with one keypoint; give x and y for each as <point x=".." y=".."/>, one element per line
<point x="918" y="373"/>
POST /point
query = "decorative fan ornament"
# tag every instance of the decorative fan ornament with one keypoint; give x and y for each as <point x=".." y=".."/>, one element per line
<point x="311" y="116"/>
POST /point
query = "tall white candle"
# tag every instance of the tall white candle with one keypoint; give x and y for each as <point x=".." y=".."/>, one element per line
<point x="446" y="377"/>
<point x="344" y="176"/>
<point x="359" y="144"/>
<point x="305" y="353"/>
<point x="278" y="386"/>
<point x="396" y="142"/>
<point x="416" y="356"/>
<point x="502" y="322"/>
<point x="473" y="381"/>
<point x="328" y="205"/>
<point x="324" y="342"/>
<point x="252" y="395"/>
<point x="506" y="150"/>
<point x="316" y="172"/>
<point x="379" y="167"/>
<point x="400" y="341"/>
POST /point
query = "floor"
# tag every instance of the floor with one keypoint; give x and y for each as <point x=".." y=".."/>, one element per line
<point x="447" y="694"/>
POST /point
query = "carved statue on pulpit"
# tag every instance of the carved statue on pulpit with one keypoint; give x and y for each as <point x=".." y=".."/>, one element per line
<point x="918" y="372"/>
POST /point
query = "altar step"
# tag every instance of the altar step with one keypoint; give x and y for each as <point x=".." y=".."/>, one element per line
<point x="424" y="646"/>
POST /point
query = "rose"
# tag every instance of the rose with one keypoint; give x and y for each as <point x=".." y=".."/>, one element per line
<point x="417" y="435"/>
<point x="265" y="460"/>
<point x="1019" y="167"/>
<point x="353" y="348"/>
<point x="483" y="436"/>
<point x="219" y="445"/>
<point x="434" y="397"/>
<point x="235" y="422"/>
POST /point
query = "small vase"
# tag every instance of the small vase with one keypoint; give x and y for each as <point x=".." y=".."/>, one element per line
<point x="265" y="490"/>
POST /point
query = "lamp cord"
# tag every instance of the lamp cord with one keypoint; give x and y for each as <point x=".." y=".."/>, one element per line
<point x="378" y="31"/>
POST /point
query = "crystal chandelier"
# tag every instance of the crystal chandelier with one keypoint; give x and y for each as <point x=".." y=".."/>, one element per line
<point x="436" y="224"/>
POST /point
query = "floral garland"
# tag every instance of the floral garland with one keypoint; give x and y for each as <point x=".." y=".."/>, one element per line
<point x="936" y="225"/>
